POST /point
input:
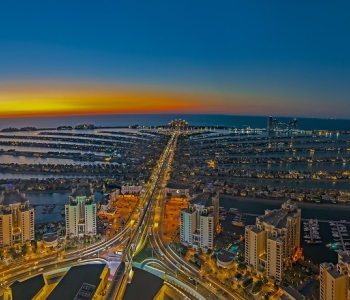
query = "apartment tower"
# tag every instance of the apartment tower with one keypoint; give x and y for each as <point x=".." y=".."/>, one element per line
<point x="16" y="218"/>
<point x="81" y="212"/>
<point x="273" y="240"/>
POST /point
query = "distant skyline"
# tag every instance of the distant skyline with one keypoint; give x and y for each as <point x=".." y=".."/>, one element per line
<point x="233" y="57"/>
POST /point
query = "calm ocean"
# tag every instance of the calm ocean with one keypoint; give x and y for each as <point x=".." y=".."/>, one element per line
<point x="162" y="119"/>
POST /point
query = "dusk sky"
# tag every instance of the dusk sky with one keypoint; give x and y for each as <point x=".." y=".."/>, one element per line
<point x="233" y="57"/>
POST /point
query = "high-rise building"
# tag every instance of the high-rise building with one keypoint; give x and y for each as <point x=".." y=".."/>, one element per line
<point x="335" y="279"/>
<point x="197" y="223"/>
<point x="16" y="218"/>
<point x="273" y="240"/>
<point x="274" y="124"/>
<point x="216" y="211"/>
<point x="81" y="212"/>
<point x="270" y="124"/>
<point x="187" y="226"/>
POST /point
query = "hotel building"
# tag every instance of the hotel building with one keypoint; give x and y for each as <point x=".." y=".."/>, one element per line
<point x="273" y="240"/>
<point x="16" y="218"/>
<point x="197" y="222"/>
<point x="335" y="279"/>
<point x="81" y="212"/>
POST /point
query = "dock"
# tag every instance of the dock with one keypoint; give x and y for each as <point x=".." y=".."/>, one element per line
<point x="303" y="219"/>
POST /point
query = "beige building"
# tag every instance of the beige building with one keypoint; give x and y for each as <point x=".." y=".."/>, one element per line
<point x="81" y="212"/>
<point x="335" y="279"/>
<point x="16" y="218"/>
<point x="273" y="240"/>
<point x="197" y="223"/>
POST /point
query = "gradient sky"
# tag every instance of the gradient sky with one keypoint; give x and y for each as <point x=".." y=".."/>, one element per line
<point x="233" y="57"/>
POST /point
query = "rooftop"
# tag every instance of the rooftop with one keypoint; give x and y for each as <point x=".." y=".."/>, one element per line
<point x="27" y="289"/>
<point x="278" y="217"/>
<point x="294" y="293"/>
<point x="82" y="191"/>
<point x="225" y="256"/>
<point x="50" y="237"/>
<point x="12" y="196"/>
<point x="144" y="285"/>
<point x="202" y="199"/>
<point x="179" y="186"/>
<point x="75" y="278"/>
<point x="334" y="273"/>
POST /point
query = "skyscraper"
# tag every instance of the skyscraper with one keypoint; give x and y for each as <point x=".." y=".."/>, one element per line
<point x="16" y="218"/>
<point x="273" y="240"/>
<point x="81" y="212"/>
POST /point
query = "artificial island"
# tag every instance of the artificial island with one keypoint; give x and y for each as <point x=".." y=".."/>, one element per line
<point x="174" y="211"/>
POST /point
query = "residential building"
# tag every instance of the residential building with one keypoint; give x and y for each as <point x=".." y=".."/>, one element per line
<point x="273" y="240"/>
<point x="197" y="223"/>
<point x="131" y="188"/>
<point x="81" y="212"/>
<point x="16" y="218"/>
<point x="174" y="189"/>
<point x="335" y="279"/>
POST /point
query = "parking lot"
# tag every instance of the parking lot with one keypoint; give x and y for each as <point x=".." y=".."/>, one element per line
<point x="171" y="218"/>
<point x="110" y="223"/>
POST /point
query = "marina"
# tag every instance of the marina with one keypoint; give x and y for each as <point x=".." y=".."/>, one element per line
<point x="239" y="220"/>
<point x="340" y="235"/>
<point x="311" y="232"/>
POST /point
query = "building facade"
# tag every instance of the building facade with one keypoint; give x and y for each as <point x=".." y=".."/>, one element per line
<point x="131" y="189"/>
<point x="197" y="223"/>
<point x="16" y="218"/>
<point x="81" y="212"/>
<point x="173" y="189"/>
<point x="335" y="279"/>
<point x="273" y="240"/>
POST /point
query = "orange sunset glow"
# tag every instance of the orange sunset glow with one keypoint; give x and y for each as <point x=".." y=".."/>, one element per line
<point x="73" y="99"/>
<point x="55" y="100"/>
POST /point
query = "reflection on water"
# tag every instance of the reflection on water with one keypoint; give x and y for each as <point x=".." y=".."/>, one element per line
<point x="9" y="159"/>
<point x="59" y="199"/>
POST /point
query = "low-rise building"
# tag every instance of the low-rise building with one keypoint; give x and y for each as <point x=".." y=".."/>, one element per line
<point x="174" y="189"/>
<point x="225" y="259"/>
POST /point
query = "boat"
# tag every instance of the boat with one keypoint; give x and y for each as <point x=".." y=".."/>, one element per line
<point x="223" y="218"/>
<point x="335" y="235"/>
<point x="239" y="224"/>
<point x="233" y="210"/>
<point x="344" y="234"/>
<point x="329" y="245"/>
<point x="314" y="242"/>
<point x="342" y="221"/>
<point x="63" y="212"/>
